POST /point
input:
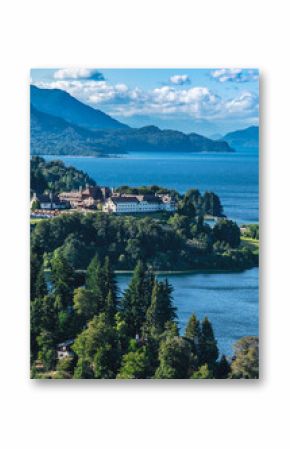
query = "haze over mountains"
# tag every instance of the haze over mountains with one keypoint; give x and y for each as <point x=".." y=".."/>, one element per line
<point x="244" y="138"/>
<point x="62" y="125"/>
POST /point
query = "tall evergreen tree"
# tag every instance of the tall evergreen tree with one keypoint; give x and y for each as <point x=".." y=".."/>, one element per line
<point x="43" y="318"/>
<point x="212" y="204"/>
<point x="207" y="347"/>
<point x="192" y="334"/>
<point x="110" y="282"/>
<point x="85" y="304"/>
<point x="62" y="277"/>
<point x="223" y="369"/>
<point x="161" y="308"/>
<point x="95" y="280"/>
<point x="136" y="299"/>
<point x="35" y="265"/>
<point x="40" y="284"/>
<point x="101" y="281"/>
<point x="192" y="330"/>
<point x="110" y="308"/>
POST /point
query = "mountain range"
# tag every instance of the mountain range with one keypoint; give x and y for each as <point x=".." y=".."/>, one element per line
<point x="62" y="125"/>
<point x="244" y="138"/>
<point x="59" y="103"/>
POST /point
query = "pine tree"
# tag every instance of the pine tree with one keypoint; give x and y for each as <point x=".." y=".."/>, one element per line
<point x="161" y="308"/>
<point x="40" y="284"/>
<point x="192" y="330"/>
<point x="100" y="280"/>
<point x="95" y="280"/>
<point x="110" y="282"/>
<point x="207" y="345"/>
<point x="43" y="318"/>
<point x="62" y="277"/>
<point x="192" y="334"/>
<point x="35" y="266"/>
<point x="110" y="308"/>
<point x="85" y="304"/>
<point x="136" y="299"/>
<point x="223" y="368"/>
<point x="169" y="310"/>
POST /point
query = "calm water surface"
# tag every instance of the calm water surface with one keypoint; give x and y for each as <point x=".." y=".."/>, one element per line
<point x="230" y="300"/>
<point x="234" y="177"/>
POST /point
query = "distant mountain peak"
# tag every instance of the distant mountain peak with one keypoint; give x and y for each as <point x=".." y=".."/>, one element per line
<point x="246" y="139"/>
<point x="60" y="103"/>
<point x="61" y="124"/>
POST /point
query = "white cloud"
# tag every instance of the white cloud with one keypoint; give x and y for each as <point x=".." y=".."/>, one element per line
<point x="78" y="73"/>
<point x="179" y="79"/>
<point x="197" y="102"/>
<point x="235" y="75"/>
<point x="245" y="102"/>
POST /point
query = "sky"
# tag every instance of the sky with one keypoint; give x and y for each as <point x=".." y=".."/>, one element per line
<point x="211" y="102"/>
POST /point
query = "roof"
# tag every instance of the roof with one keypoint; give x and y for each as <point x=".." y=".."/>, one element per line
<point x="125" y="199"/>
<point x="48" y="199"/>
<point x="150" y="199"/>
<point x="66" y="343"/>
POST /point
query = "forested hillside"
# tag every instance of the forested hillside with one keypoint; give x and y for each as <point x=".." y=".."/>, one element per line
<point x="55" y="176"/>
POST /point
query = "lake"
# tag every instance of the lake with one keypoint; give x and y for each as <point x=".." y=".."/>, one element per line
<point x="233" y="176"/>
<point x="230" y="300"/>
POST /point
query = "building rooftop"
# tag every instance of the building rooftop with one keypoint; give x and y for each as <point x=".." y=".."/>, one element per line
<point x="125" y="199"/>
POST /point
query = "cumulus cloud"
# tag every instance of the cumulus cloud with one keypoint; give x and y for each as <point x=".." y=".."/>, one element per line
<point x="197" y="102"/>
<point x="235" y="75"/>
<point x="245" y="102"/>
<point x="179" y="79"/>
<point x="78" y="73"/>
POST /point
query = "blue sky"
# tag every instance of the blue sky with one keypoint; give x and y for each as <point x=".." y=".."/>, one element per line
<point x="207" y="101"/>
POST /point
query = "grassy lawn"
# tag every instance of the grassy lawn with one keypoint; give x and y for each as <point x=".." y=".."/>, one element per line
<point x="34" y="221"/>
<point x="250" y="243"/>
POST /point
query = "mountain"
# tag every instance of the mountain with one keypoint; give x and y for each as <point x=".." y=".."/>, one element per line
<point x="216" y="136"/>
<point x="52" y="134"/>
<point x="244" y="138"/>
<point x="60" y="104"/>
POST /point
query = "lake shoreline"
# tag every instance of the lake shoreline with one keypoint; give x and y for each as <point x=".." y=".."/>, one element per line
<point x="174" y="272"/>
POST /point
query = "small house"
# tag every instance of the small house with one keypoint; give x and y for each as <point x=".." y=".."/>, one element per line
<point x="64" y="349"/>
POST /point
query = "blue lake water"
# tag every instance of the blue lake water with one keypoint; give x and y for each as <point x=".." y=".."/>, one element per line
<point x="230" y="300"/>
<point x="233" y="176"/>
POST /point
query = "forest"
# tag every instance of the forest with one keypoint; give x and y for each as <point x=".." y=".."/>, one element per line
<point x="180" y="243"/>
<point x="55" y="176"/>
<point x="75" y="300"/>
<point x="134" y="336"/>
